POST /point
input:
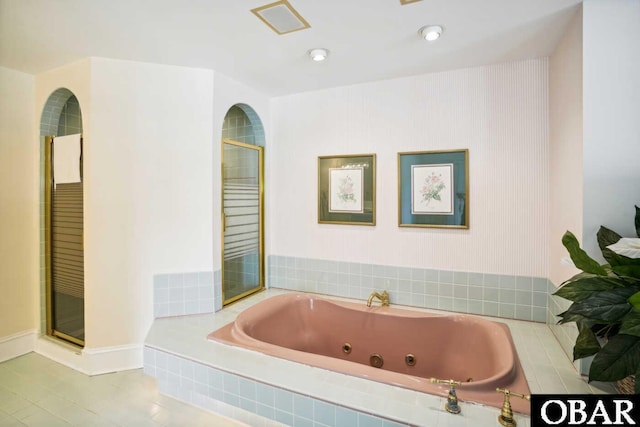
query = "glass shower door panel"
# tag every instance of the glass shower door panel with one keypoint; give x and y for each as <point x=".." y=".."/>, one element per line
<point x="242" y="270"/>
<point x="67" y="268"/>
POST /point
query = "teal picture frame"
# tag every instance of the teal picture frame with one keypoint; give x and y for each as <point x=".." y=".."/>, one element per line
<point x="433" y="189"/>
<point x="357" y="174"/>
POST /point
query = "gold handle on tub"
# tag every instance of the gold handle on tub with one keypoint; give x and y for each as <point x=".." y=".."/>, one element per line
<point x="506" y="413"/>
<point x="451" y="383"/>
<point x="506" y="392"/>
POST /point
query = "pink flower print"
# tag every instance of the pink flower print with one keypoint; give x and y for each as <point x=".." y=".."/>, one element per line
<point x="431" y="188"/>
<point x="345" y="190"/>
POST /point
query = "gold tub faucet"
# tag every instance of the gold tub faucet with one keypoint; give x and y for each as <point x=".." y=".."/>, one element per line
<point x="506" y="414"/>
<point x="383" y="297"/>
<point x="452" y="405"/>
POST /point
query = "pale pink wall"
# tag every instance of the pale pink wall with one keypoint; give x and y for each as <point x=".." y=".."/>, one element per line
<point x="566" y="170"/>
<point x="565" y="135"/>
<point x="498" y="112"/>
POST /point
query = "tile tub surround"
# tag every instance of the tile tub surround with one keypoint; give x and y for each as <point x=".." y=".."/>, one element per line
<point x="546" y="366"/>
<point x="181" y="294"/>
<point x="567" y="333"/>
<point x="513" y="297"/>
<point x="246" y="400"/>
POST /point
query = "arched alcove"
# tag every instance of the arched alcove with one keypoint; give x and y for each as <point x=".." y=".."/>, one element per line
<point x="243" y="141"/>
<point x="242" y="124"/>
<point x="61" y="234"/>
<point x="61" y="114"/>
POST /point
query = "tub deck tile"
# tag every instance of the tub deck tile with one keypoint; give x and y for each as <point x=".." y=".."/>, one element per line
<point x="288" y="392"/>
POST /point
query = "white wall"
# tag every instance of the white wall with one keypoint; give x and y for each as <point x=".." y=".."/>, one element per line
<point x="565" y="130"/>
<point x="18" y="205"/>
<point x="147" y="167"/>
<point x="499" y="112"/>
<point x="611" y="117"/>
<point x="148" y="202"/>
<point x="152" y="197"/>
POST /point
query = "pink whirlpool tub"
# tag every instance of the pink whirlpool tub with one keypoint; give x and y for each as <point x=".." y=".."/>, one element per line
<point x="412" y="346"/>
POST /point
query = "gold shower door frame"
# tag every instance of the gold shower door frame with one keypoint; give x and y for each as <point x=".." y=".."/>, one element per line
<point x="48" y="206"/>
<point x="226" y="299"/>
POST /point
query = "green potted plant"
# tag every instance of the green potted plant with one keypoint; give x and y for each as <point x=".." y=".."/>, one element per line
<point x="606" y="305"/>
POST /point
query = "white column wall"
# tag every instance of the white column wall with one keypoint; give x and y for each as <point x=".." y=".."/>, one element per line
<point x="147" y="172"/>
<point x="611" y="125"/>
<point x="148" y="199"/>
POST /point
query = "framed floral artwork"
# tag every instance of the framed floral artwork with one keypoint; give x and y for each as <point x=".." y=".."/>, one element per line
<point x="433" y="189"/>
<point x="347" y="189"/>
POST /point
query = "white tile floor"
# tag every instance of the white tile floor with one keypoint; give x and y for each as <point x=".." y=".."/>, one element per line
<point x="35" y="391"/>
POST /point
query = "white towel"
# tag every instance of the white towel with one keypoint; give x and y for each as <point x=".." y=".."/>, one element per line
<point x="66" y="159"/>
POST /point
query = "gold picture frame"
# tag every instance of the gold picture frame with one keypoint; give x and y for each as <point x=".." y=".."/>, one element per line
<point x="433" y="189"/>
<point x="347" y="189"/>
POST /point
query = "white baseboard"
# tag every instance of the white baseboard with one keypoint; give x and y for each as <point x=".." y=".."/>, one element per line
<point x="61" y="352"/>
<point x="17" y="344"/>
<point x="113" y="359"/>
<point x="91" y="361"/>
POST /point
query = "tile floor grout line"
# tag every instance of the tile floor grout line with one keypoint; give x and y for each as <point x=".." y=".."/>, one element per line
<point x="129" y="398"/>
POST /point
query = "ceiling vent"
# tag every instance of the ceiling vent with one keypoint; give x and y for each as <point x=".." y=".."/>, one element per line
<point x="281" y="17"/>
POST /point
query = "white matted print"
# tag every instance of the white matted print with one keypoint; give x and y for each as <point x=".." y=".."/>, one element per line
<point x="346" y="186"/>
<point x="432" y="189"/>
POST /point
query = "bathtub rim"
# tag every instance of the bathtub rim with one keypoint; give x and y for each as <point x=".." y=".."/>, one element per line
<point x="225" y="336"/>
<point x="237" y="332"/>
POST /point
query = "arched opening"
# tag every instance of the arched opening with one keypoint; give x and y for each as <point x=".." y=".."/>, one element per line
<point x="62" y="219"/>
<point x="242" y="124"/>
<point x="243" y="141"/>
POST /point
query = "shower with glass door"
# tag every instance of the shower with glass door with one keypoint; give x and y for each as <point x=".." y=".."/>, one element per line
<point x="63" y="218"/>
<point x="242" y="204"/>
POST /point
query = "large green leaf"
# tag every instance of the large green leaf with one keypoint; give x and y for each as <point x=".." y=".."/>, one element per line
<point x="586" y="343"/>
<point x="638" y="221"/>
<point x="634" y="300"/>
<point x="618" y="358"/>
<point x="566" y="317"/>
<point x="583" y="275"/>
<point x="627" y="270"/>
<point x="616" y="259"/>
<point x="579" y="257"/>
<point x="604" y="307"/>
<point x="607" y="237"/>
<point x="631" y="323"/>
<point x="581" y="288"/>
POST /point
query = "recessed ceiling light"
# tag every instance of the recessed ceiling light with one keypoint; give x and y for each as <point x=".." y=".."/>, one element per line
<point x="318" y="54"/>
<point x="431" y="32"/>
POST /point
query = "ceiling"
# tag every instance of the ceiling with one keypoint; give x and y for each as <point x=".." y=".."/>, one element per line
<point x="368" y="40"/>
